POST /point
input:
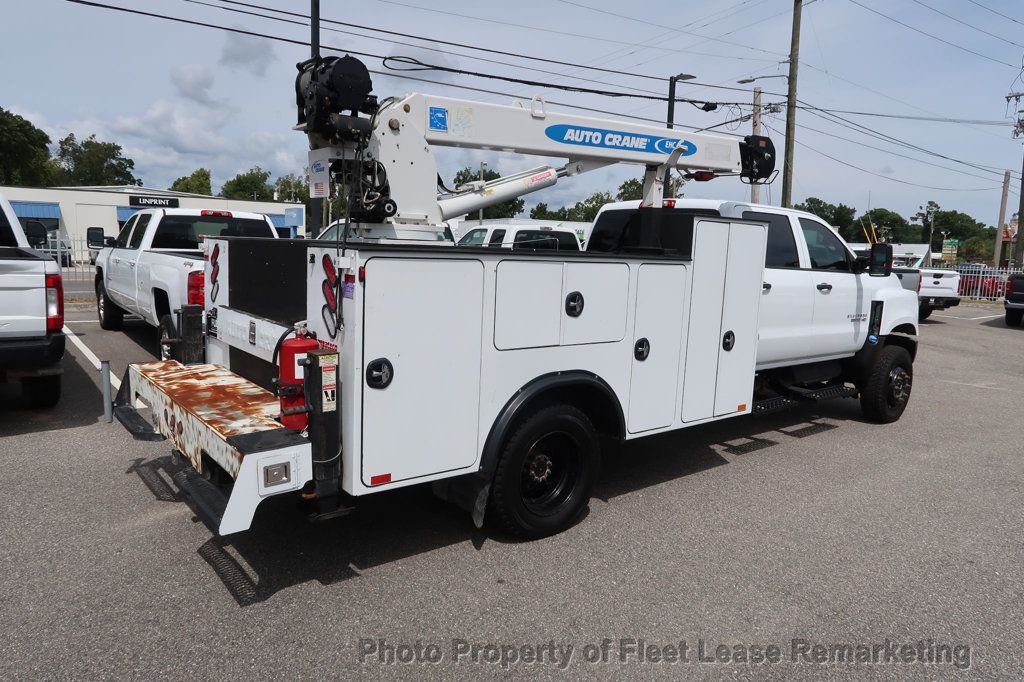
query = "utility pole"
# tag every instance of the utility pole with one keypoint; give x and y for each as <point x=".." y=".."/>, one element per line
<point x="316" y="206"/>
<point x="755" y="189"/>
<point x="997" y="252"/>
<point x="1018" y="130"/>
<point x="794" y="61"/>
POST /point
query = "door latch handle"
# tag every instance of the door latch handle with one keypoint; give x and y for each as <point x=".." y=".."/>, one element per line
<point x="379" y="373"/>
<point x="728" y="341"/>
<point x="766" y="286"/>
<point x="574" y="304"/>
<point x="642" y="349"/>
<point x="824" y="286"/>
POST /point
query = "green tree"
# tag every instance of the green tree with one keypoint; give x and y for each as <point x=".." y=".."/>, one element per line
<point x="92" y="162"/>
<point x="979" y="248"/>
<point x="837" y="215"/>
<point x="197" y="183"/>
<point x="252" y="185"/>
<point x="954" y="224"/>
<point x="633" y="189"/>
<point x="889" y="225"/>
<point x="583" y="211"/>
<point x="506" y="209"/>
<point x="24" y="152"/>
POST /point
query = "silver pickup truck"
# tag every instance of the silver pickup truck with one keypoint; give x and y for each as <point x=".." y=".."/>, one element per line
<point x="31" y="313"/>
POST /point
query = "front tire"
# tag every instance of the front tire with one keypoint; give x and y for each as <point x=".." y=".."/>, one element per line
<point x="923" y="313"/>
<point x="41" y="392"/>
<point x="546" y="473"/>
<point x="886" y="392"/>
<point x="1014" y="318"/>
<point x="107" y="311"/>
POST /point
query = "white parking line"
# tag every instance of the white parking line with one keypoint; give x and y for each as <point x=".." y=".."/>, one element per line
<point x="89" y="355"/>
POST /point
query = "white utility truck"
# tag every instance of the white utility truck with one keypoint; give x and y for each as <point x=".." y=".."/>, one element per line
<point x="492" y="373"/>
<point x="31" y="311"/>
<point x="511" y="236"/>
<point x="154" y="265"/>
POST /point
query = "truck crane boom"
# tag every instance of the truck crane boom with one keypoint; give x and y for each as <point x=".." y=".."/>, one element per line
<point x="384" y="151"/>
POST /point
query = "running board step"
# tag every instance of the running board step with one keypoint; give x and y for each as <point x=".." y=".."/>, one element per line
<point x="825" y="393"/>
<point x="774" y="404"/>
<point x="136" y="424"/>
<point x="210" y="499"/>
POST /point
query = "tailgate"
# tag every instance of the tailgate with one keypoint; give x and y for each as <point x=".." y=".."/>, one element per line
<point x="938" y="283"/>
<point x="22" y="293"/>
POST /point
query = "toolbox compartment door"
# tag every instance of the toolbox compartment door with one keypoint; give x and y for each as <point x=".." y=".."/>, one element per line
<point x="425" y="318"/>
<point x="657" y="345"/>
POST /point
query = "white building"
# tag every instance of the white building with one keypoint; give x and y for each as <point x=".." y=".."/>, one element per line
<point x="72" y="210"/>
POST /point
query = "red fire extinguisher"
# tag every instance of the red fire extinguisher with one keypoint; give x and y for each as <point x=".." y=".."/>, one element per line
<point x="290" y="378"/>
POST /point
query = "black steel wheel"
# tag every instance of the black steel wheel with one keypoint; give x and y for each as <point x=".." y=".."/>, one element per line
<point x="546" y="473"/>
<point x="886" y="392"/>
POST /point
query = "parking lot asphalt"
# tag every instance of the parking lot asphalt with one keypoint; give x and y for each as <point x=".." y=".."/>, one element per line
<point x="809" y="525"/>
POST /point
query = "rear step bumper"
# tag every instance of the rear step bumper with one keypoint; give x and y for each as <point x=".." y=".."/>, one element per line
<point x="215" y="417"/>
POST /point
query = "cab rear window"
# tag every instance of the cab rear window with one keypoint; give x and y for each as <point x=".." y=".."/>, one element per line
<point x="185" y="232"/>
<point x="545" y="239"/>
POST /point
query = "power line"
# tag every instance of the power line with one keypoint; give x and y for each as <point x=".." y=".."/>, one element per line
<point x="1004" y="16"/>
<point x="908" y="117"/>
<point x="933" y="36"/>
<point x="518" y="55"/>
<point x="292" y="41"/>
<point x="886" y="177"/>
<point x="961" y="21"/>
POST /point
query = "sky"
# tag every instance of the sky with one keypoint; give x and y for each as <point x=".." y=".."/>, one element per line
<point x="178" y="97"/>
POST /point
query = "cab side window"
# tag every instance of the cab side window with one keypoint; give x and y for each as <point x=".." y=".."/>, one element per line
<point x="781" y="252"/>
<point x="122" y="237"/>
<point x="497" y="237"/>
<point x="474" y="238"/>
<point x="824" y="247"/>
<point x="140" y="231"/>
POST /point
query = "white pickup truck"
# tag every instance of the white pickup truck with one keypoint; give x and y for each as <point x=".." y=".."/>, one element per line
<point x="155" y="265"/>
<point x="31" y="313"/>
<point x="939" y="288"/>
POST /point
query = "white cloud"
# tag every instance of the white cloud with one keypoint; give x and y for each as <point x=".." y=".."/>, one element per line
<point x="184" y="129"/>
<point x="247" y="53"/>
<point x="194" y="82"/>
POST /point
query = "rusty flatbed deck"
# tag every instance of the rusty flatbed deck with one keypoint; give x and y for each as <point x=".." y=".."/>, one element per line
<point x="200" y="407"/>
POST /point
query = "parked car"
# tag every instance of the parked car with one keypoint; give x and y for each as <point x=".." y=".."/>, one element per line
<point x="155" y="265"/>
<point x="31" y="311"/>
<point x="1014" y="302"/>
<point x="981" y="281"/>
<point x="522" y="237"/>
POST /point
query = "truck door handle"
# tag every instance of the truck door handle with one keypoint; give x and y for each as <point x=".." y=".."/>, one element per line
<point x="131" y="264"/>
<point x="379" y="373"/>
<point x="642" y="349"/>
<point x="574" y="304"/>
<point x="766" y="286"/>
<point x="824" y="286"/>
<point x="728" y="341"/>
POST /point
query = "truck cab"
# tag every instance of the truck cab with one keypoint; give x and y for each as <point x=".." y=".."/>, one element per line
<point x="512" y="236"/>
<point x="817" y="299"/>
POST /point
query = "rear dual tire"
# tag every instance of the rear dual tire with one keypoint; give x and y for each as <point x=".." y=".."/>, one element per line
<point x="546" y="473"/>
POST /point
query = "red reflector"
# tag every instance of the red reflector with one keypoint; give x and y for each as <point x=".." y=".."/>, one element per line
<point x="380" y="479"/>
<point x="54" y="303"/>
<point x="669" y="203"/>
<point x="362" y="273"/>
<point x="217" y="214"/>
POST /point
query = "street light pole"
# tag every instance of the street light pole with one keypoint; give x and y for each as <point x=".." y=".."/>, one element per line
<point x="670" y="120"/>
<point x="794" y="61"/>
<point x="755" y="189"/>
